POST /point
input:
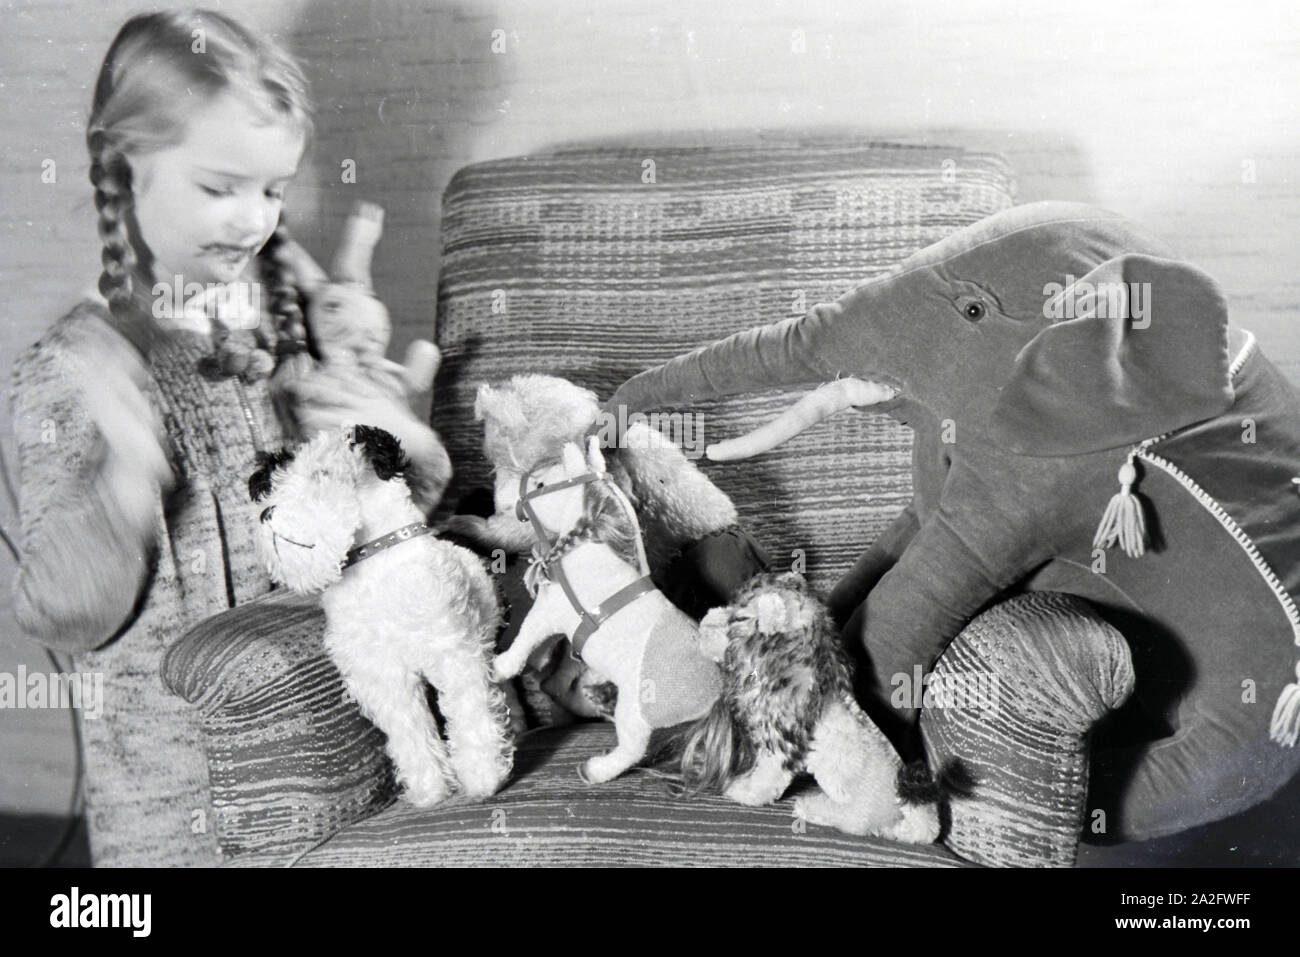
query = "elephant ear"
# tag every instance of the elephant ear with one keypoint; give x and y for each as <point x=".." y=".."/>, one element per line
<point x="1115" y="376"/>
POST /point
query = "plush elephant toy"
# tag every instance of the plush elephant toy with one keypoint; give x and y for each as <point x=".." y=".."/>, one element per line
<point x="1072" y="385"/>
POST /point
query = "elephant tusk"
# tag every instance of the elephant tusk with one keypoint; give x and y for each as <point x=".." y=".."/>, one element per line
<point x="820" y="404"/>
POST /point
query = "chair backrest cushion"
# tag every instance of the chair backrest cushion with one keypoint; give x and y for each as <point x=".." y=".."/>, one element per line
<point x="596" y="263"/>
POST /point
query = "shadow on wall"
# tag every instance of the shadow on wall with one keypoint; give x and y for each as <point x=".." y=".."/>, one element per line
<point x="402" y="91"/>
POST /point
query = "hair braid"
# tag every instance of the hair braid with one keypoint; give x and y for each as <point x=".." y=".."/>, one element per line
<point x="258" y="353"/>
<point x="110" y="174"/>
<point x="291" y="334"/>
<point x="294" y="354"/>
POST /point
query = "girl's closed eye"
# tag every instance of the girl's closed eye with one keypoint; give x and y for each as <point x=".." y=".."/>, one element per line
<point x="274" y="193"/>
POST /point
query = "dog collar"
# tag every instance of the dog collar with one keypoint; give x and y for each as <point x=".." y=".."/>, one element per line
<point x="406" y="532"/>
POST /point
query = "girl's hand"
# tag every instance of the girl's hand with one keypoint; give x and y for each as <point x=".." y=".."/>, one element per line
<point x="331" y="396"/>
<point x="328" y="398"/>
<point x="134" y="471"/>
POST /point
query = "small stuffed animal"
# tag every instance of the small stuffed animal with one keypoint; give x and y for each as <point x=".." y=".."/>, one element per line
<point x="346" y="325"/>
<point x="787" y="706"/>
<point x="578" y="689"/>
<point x="593" y="586"/>
<point x="402" y="607"/>
<point x="698" y="553"/>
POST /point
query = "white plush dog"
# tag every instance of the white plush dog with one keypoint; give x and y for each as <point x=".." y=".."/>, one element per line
<point x="401" y="606"/>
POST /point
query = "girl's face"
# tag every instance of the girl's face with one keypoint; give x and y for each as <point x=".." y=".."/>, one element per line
<point x="206" y="206"/>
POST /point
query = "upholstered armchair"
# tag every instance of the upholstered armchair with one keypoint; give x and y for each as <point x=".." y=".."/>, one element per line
<point x="577" y="263"/>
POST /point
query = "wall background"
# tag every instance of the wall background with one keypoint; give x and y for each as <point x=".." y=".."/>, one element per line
<point x="1184" y="116"/>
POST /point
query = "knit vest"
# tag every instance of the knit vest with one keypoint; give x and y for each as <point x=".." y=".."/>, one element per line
<point x="146" y="783"/>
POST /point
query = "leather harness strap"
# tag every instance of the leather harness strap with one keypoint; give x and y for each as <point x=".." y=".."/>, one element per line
<point x="593" y="619"/>
<point x="589" y="621"/>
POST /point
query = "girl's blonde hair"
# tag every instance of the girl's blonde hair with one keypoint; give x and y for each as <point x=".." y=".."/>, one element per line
<point x="159" y="68"/>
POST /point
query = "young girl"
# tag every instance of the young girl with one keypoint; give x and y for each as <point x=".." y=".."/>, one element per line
<point x="136" y="435"/>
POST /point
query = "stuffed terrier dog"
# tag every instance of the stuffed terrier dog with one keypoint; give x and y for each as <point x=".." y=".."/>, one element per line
<point x="787" y="706"/>
<point x="401" y="606"/>
<point x="593" y="586"/>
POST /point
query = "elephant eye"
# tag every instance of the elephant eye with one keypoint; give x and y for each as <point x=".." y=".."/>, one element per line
<point x="974" y="310"/>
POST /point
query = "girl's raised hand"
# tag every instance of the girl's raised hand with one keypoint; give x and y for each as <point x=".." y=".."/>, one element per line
<point x="331" y="396"/>
<point x="328" y="398"/>
<point x="134" y="470"/>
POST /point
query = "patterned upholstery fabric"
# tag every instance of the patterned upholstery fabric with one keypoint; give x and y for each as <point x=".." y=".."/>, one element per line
<point x="1025" y="683"/>
<point x="297" y="772"/>
<point x="290" y="759"/>
<point x="546" y="817"/>
<point x="570" y="264"/>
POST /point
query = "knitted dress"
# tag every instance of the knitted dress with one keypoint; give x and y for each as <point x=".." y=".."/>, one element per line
<point x="83" y="586"/>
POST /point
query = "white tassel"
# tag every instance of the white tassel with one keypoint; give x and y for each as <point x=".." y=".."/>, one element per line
<point x="1285" y="728"/>
<point x="1124" y="521"/>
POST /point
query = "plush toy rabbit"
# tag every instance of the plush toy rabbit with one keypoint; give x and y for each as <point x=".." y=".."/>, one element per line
<point x="346" y="324"/>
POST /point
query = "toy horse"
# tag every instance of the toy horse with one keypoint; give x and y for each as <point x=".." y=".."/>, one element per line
<point x="592" y="584"/>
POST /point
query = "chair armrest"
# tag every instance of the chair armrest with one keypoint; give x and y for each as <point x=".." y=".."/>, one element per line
<point x="1016" y="696"/>
<point x="291" y="759"/>
<point x="236" y="651"/>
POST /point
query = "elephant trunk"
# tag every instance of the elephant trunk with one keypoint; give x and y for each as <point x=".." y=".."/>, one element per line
<point x="785" y="353"/>
<point x="816" y="348"/>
